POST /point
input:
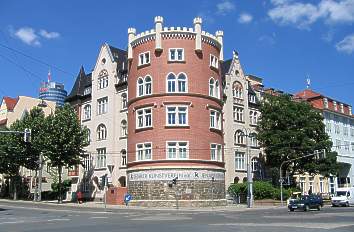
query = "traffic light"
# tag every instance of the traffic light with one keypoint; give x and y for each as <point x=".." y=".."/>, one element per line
<point x="27" y="135"/>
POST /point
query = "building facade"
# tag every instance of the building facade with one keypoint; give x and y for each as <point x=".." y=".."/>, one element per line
<point x="242" y="96"/>
<point x="175" y="138"/>
<point x="339" y="123"/>
<point x="52" y="91"/>
<point x="100" y="99"/>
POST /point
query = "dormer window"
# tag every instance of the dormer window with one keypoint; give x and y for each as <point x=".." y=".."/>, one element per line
<point x="325" y="102"/>
<point x="144" y="58"/>
<point x="214" y="61"/>
<point x="335" y="105"/>
<point x="87" y="91"/>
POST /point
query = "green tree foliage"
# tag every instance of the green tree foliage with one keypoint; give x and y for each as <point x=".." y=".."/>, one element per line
<point x="290" y="129"/>
<point x="65" y="140"/>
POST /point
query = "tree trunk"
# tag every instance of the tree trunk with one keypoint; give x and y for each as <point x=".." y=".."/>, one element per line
<point x="14" y="187"/>
<point x="60" y="200"/>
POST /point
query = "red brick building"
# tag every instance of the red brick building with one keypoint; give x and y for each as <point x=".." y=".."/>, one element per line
<point x="175" y="116"/>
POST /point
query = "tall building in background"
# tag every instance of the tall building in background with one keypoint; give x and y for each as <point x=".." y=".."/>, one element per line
<point x="52" y="91"/>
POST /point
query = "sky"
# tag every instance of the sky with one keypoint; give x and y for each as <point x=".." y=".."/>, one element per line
<point x="285" y="42"/>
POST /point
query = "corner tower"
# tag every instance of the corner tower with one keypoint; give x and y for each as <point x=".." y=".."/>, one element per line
<point x="175" y="116"/>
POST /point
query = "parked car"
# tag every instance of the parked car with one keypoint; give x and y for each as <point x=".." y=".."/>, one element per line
<point x="306" y="203"/>
<point x="343" y="197"/>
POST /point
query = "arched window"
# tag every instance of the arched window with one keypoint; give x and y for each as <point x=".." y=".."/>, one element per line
<point x="101" y="132"/>
<point x="239" y="137"/>
<point x="171" y="83"/>
<point x="124" y="100"/>
<point x="253" y="140"/>
<point x="182" y="83"/>
<point x="237" y="90"/>
<point x="236" y="180"/>
<point x="124" y="128"/>
<point x="103" y="79"/>
<point x="123" y="153"/>
<point x="254" y="164"/>
<point x="87" y="112"/>
<point x="148" y="83"/>
<point x="140" y="86"/>
<point x="211" y="87"/>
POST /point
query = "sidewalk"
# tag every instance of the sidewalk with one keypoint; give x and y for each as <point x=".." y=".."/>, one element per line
<point x="100" y="205"/>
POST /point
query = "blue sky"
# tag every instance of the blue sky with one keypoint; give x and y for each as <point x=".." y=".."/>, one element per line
<point x="282" y="41"/>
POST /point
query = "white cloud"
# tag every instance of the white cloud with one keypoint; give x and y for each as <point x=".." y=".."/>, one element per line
<point x="303" y="15"/>
<point x="27" y="35"/>
<point x="49" y="35"/>
<point x="225" y="7"/>
<point x="267" y="39"/>
<point x="245" y="18"/>
<point x="346" y="45"/>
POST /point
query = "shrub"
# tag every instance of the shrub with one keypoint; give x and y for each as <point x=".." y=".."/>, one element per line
<point x="263" y="190"/>
<point x="236" y="189"/>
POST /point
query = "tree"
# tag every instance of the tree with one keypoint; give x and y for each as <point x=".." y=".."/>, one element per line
<point x="290" y="129"/>
<point x="65" y="140"/>
<point x="16" y="153"/>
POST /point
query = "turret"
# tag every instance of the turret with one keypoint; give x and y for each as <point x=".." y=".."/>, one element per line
<point x="131" y="36"/>
<point x="158" y="29"/>
<point x="198" y="30"/>
<point x="219" y="36"/>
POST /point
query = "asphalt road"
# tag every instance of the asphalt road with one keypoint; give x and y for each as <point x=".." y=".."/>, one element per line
<point x="15" y="217"/>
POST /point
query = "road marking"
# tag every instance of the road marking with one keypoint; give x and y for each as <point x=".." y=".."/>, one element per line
<point x="15" y="222"/>
<point x="326" y="226"/>
<point x="58" y="219"/>
<point x="98" y="217"/>
<point x="159" y="218"/>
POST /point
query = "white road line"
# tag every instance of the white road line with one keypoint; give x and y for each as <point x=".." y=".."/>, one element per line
<point x="58" y="219"/>
<point x="15" y="222"/>
<point x="98" y="217"/>
<point x="326" y="226"/>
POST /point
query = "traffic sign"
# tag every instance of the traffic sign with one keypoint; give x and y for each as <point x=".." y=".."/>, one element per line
<point x="127" y="198"/>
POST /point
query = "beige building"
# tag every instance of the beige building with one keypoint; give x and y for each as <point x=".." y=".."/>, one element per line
<point x="242" y="96"/>
<point x="100" y="99"/>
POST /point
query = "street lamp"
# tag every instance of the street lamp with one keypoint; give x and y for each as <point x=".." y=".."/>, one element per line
<point x="246" y="133"/>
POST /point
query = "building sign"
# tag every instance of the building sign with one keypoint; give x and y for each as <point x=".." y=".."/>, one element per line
<point x="154" y="175"/>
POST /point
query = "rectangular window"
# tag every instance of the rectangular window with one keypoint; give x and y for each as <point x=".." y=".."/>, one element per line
<point x="87" y="112"/>
<point x="345" y="131"/>
<point x="352" y="132"/>
<point x="87" y="163"/>
<point x="346" y="145"/>
<point x="352" y="144"/>
<point x="328" y="126"/>
<point x="238" y="114"/>
<point x="336" y="129"/>
<point x="102" y="105"/>
<point x="240" y="161"/>
<point x="143" y="151"/>
<point x="87" y="91"/>
<point x="144" y="118"/>
<point x="144" y="58"/>
<point x="252" y="98"/>
<point x="214" y="62"/>
<point x="103" y="82"/>
<point x="215" y="119"/>
<point x="101" y="158"/>
<point x="311" y="180"/>
<point x="338" y="144"/>
<point x="177" y="115"/>
<point x="215" y="152"/>
<point x="302" y="184"/>
<point x="321" y="185"/>
<point x="176" y="54"/>
<point x="177" y="150"/>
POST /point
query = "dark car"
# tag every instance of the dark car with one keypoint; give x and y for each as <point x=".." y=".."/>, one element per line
<point x="306" y="203"/>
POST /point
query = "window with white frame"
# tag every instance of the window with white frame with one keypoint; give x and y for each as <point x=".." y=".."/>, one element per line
<point x="124" y="126"/>
<point x="321" y="183"/>
<point x="143" y="151"/>
<point x="88" y="136"/>
<point x="144" y="117"/>
<point x="252" y="98"/>
<point x="352" y="144"/>
<point x="144" y="86"/>
<point x="144" y="58"/>
<point x="101" y="158"/>
<point x="238" y="114"/>
<point x="176" y="54"/>
<point x="102" y="105"/>
<point x="253" y="140"/>
<point x="311" y="180"/>
<point x="253" y="117"/>
<point x="177" y="150"/>
<point x="240" y="161"/>
<point x="302" y="184"/>
<point x="177" y="115"/>
<point x="214" y="88"/>
<point x="177" y="84"/>
<point x="103" y="79"/>
<point x="214" y="62"/>
<point x="87" y="162"/>
<point x="345" y="130"/>
<point x="101" y="132"/>
<point x="239" y="137"/>
<point x="87" y="112"/>
<point x="124" y="101"/>
<point x="87" y="91"/>
<point x="254" y="164"/>
<point x="215" y="152"/>
<point x="346" y="145"/>
<point x="237" y="90"/>
<point x="338" y="144"/>
<point x="215" y="119"/>
<point x="328" y="126"/>
<point x="352" y="132"/>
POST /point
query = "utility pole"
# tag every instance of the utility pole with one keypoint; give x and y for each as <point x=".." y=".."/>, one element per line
<point x="40" y="172"/>
<point x="212" y="192"/>
<point x="249" y="174"/>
